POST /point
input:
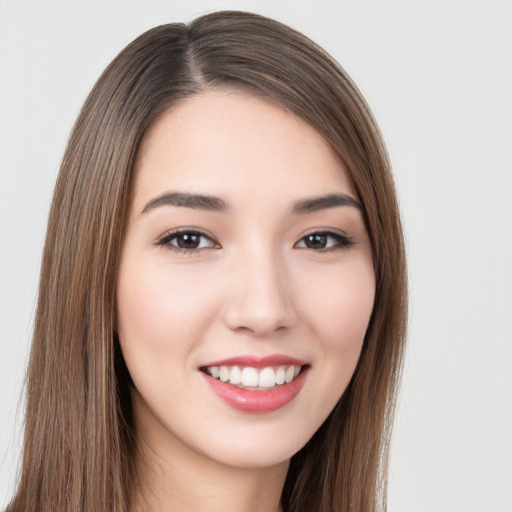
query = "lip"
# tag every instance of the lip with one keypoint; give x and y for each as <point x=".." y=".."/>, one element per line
<point x="258" y="362"/>
<point x="250" y="401"/>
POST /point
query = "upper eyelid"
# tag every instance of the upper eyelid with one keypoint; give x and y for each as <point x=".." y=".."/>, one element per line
<point x="344" y="239"/>
<point x="325" y="231"/>
<point x="179" y="231"/>
<point x="164" y="242"/>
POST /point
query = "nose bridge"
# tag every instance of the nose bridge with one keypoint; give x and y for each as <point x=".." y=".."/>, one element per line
<point x="260" y="299"/>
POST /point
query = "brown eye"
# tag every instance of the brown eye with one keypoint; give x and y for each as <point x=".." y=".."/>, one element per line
<point x="316" y="241"/>
<point x="187" y="241"/>
<point x="324" y="241"/>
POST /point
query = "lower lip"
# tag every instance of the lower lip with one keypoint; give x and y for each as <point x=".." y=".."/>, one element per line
<point x="247" y="400"/>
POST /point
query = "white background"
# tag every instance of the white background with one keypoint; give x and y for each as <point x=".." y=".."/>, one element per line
<point x="438" y="75"/>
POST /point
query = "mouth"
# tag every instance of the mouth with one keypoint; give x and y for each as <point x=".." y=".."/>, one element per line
<point x="256" y="385"/>
<point x="255" y="379"/>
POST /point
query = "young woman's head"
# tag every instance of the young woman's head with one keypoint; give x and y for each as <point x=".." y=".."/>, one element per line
<point x="223" y="277"/>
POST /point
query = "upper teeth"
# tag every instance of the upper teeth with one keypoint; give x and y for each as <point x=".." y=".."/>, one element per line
<point x="252" y="377"/>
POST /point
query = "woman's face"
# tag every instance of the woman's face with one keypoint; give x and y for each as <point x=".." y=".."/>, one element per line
<point x="246" y="281"/>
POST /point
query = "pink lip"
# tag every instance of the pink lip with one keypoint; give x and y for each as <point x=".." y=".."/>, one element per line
<point x="259" y="362"/>
<point x="247" y="400"/>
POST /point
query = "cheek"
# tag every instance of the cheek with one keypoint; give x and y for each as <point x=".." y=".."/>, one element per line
<point x="340" y="313"/>
<point x="160" y="312"/>
<point x="342" y="307"/>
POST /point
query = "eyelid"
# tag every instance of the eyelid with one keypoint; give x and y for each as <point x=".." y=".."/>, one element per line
<point x="164" y="240"/>
<point x="326" y="231"/>
<point x="344" y="240"/>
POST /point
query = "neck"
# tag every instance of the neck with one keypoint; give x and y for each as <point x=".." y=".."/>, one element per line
<point x="170" y="477"/>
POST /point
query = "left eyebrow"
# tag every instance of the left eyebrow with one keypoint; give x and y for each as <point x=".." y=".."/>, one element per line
<point x="315" y="204"/>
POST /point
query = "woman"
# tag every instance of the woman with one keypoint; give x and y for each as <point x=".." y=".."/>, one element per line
<point x="222" y="301"/>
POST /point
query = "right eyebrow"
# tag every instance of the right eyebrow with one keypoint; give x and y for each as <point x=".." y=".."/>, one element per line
<point x="187" y="200"/>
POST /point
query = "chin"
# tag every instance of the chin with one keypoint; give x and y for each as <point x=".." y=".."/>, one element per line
<point x="250" y="454"/>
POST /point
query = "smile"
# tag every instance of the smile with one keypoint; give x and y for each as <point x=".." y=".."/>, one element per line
<point x="252" y="378"/>
<point x="254" y="384"/>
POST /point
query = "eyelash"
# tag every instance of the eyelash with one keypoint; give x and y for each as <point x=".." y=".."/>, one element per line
<point x="340" y="241"/>
<point x="165" y="241"/>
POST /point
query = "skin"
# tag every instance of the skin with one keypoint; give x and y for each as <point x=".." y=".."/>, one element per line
<point x="252" y="287"/>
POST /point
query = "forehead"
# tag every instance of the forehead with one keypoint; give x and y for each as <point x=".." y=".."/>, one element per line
<point x="239" y="147"/>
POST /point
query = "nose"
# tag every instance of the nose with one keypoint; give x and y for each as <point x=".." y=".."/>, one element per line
<point x="261" y="296"/>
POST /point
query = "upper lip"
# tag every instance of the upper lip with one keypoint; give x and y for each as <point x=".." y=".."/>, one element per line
<point x="258" y="361"/>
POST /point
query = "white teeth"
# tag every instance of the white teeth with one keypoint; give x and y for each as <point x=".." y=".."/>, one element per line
<point x="267" y="378"/>
<point x="224" y="373"/>
<point x="235" y="377"/>
<point x="250" y="377"/>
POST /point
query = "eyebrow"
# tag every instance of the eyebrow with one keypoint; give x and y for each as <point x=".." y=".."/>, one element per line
<point x="184" y="199"/>
<point x="215" y="204"/>
<point x="324" y="202"/>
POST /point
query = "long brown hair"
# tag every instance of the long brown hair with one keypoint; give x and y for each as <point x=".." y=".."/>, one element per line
<point x="79" y="433"/>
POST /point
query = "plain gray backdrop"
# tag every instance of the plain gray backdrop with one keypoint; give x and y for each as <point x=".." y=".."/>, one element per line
<point x="438" y="75"/>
